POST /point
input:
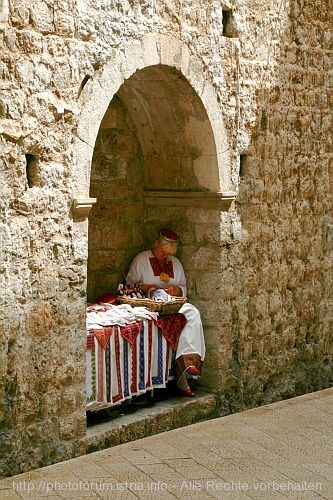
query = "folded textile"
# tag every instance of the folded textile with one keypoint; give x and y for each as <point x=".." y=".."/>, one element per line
<point x="136" y="358"/>
<point x="121" y="315"/>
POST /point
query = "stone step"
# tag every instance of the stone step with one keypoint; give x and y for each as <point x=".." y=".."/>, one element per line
<point x="158" y="417"/>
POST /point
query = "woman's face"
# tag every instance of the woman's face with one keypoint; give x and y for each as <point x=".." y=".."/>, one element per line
<point x="163" y="250"/>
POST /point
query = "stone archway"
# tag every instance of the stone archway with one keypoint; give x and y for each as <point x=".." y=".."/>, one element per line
<point x="182" y="173"/>
<point x="100" y="89"/>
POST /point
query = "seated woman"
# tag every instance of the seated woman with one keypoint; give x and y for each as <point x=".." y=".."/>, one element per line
<point x="159" y="268"/>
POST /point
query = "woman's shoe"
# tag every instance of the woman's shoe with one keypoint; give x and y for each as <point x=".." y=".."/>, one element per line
<point x="192" y="370"/>
<point x="187" y="393"/>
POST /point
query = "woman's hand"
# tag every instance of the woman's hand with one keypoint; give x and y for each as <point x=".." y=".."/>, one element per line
<point x="174" y="290"/>
<point x="146" y="287"/>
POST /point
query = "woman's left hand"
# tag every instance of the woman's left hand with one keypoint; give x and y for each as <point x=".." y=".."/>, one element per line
<point x="174" y="290"/>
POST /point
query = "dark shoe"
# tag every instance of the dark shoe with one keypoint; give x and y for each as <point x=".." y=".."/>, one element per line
<point x="188" y="393"/>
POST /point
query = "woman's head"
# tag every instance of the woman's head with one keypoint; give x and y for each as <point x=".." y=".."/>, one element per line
<point x="165" y="244"/>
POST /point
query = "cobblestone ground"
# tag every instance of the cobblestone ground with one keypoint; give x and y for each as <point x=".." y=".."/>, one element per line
<point x="282" y="450"/>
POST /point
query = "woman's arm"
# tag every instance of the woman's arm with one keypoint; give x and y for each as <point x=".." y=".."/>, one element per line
<point x="137" y="274"/>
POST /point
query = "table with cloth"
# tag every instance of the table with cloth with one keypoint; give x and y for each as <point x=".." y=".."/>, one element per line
<point x="129" y="351"/>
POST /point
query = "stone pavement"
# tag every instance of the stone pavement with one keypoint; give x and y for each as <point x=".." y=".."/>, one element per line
<point x="282" y="450"/>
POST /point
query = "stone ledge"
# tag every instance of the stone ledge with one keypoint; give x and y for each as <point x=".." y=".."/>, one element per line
<point x="213" y="200"/>
<point x="161" y="417"/>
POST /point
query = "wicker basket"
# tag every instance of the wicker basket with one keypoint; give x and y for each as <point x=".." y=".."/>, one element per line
<point x="170" y="307"/>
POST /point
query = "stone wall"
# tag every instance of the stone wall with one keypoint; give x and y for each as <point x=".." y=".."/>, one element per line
<point x="260" y="271"/>
<point x="117" y="220"/>
<point x="281" y="314"/>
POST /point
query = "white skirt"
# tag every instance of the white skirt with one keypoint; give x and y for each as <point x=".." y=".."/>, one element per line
<point x="191" y="339"/>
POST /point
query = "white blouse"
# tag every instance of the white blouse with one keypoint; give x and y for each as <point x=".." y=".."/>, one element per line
<point x="141" y="271"/>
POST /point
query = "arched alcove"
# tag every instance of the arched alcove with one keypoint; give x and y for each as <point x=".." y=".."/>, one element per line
<point x="154" y="139"/>
<point x="152" y="149"/>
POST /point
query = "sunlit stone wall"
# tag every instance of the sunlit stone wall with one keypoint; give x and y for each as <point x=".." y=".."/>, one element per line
<point x="260" y="273"/>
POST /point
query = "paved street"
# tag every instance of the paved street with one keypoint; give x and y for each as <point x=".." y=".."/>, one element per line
<point x="282" y="450"/>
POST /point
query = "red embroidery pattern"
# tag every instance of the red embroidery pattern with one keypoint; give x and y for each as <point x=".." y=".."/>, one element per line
<point x="103" y="335"/>
<point x="171" y="327"/>
<point x="118" y="396"/>
<point x="168" y="268"/>
<point x="150" y="341"/>
<point x="90" y="341"/>
<point x="100" y="372"/>
<point x="130" y="332"/>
